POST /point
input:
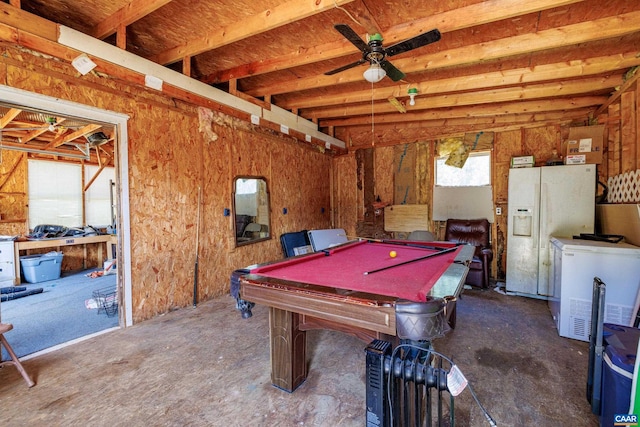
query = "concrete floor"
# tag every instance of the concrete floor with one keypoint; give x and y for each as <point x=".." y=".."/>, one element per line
<point x="208" y="367"/>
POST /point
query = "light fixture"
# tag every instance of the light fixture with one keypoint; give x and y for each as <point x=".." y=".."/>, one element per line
<point x="412" y="94"/>
<point x="374" y="73"/>
<point x="52" y="123"/>
<point x="97" y="138"/>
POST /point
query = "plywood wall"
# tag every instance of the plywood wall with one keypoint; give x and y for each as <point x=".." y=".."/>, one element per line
<point x="621" y="155"/>
<point x="170" y="163"/>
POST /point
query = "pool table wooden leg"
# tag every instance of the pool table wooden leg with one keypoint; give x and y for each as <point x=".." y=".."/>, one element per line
<point x="288" y="349"/>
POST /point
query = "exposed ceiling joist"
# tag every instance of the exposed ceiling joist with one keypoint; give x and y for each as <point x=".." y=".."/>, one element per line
<point x="504" y="63"/>
<point x="266" y="20"/>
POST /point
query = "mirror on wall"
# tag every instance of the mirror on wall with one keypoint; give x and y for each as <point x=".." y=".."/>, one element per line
<point x="251" y="210"/>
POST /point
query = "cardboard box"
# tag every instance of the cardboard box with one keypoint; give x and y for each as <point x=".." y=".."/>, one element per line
<point x="621" y="218"/>
<point x="587" y="141"/>
<point x="522" y="162"/>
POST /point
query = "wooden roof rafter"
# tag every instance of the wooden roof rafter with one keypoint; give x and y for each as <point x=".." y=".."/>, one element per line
<point x="278" y="16"/>
<point x="130" y="13"/>
<point x="464" y="17"/>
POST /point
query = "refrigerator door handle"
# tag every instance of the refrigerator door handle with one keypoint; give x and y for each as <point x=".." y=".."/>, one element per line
<point x="544" y="213"/>
<point x="536" y="215"/>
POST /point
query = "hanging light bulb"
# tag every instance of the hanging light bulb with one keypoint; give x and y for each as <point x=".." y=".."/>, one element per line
<point x="374" y="73"/>
<point x="412" y="94"/>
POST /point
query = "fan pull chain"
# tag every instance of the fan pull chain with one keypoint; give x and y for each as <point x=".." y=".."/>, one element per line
<point x="373" y="135"/>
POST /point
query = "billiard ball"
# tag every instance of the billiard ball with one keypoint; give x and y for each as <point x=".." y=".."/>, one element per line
<point x="393" y="254"/>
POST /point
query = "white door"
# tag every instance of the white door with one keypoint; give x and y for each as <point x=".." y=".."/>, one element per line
<point x="567" y="208"/>
<point x="522" y="239"/>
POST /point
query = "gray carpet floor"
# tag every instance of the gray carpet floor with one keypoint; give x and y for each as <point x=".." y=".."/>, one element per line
<point x="57" y="315"/>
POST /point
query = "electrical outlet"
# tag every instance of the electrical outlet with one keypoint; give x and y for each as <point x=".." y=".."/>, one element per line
<point x="498" y="210"/>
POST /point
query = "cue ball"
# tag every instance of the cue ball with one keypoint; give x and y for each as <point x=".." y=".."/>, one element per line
<point x="393" y="254"/>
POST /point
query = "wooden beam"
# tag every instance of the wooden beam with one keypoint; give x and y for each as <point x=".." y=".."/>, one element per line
<point x="516" y="76"/>
<point x="64" y="138"/>
<point x="121" y="37"/>
<point x="584" y="32"/>
<point x="186" y="66"/>
<point x="626" y="85"/>
<point x="285" y="13"/>
<point x="9" y="173"/>
<point x="36" y="133"/>
<point x="8" y="117"/>
<point x="477" y="14"/>
<point x="127" y="15"/>
<point x="481" y="97"/>
<point x="586" y="103"/>
<point x="15" y="17"/>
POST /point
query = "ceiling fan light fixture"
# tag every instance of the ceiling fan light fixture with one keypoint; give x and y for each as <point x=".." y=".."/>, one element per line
<point x="374" y="73"/>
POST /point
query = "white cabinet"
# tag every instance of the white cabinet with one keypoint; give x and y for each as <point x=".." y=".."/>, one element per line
<point x="7" y="264"/>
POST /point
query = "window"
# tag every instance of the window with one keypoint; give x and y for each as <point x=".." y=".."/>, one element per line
<point x="463" y="193"/>
<point x="55" y="194"/>
<point x="99" y="197"/>
<point x="475" y="173"/>
<point x="246" y="186"/>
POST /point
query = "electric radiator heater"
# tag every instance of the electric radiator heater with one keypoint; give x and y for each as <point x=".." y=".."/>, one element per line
<point x="406" y="386"/>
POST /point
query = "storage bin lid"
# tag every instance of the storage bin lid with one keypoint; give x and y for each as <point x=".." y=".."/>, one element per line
<point x="621" y="345"/>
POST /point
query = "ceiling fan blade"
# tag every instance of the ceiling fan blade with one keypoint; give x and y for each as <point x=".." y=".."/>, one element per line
<point x="413" y="43"/>
<point x="345" y="67"/>
<point x="351" y="35"/>
<point x="392" y="72"/>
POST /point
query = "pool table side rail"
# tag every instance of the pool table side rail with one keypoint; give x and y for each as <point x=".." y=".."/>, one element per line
<point x="374" y="315"/>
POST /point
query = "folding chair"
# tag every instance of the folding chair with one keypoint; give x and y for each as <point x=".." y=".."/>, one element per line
<point x="6" y="327"/>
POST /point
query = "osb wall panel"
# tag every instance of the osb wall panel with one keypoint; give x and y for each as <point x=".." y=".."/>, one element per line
<point x="169" y="159"/>
<point x="622" y="136"/>
<point x="628" y="131"/>
<point x="346" y="201"/>
<point x="506" y="145"/>
<point x="541" y="142"/>
<point x="383" y="157"/>
<point x="13" y="196"/>
<point x="425" y="157"/>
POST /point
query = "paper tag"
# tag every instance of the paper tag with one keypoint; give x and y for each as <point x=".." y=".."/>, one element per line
<point x="456" y="381"/>
<point x="284" y="129"/>
<point x="83" y="64"/>
<point x="153" y="82"/>
<point x="585" y="145"/>
<point x="255" y="120"/>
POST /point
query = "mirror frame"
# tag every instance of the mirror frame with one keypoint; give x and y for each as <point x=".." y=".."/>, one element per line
<point x="233" y="213"/>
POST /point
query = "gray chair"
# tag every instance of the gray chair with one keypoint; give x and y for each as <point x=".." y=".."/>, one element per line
<point x="421" y="235"/>
<point x="251" y="229"/>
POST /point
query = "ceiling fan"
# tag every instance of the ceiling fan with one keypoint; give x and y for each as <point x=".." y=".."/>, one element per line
<point x="375" y="54"/>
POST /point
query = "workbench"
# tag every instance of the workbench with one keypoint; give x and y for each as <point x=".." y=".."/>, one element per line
<point x="108" y="239"/>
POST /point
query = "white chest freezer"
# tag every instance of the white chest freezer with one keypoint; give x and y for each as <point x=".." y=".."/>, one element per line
<point x="574" y="265"/>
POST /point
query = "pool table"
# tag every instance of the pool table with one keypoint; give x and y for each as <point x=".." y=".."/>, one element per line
<point x="353" y="288"/>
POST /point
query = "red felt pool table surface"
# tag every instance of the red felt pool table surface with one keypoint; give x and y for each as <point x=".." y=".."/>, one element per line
<point x="344" y="267"/>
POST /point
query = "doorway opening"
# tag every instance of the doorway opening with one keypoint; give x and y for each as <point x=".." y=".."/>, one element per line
<point x="59" y="133"/>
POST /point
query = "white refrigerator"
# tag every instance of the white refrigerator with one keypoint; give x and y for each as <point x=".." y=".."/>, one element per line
<point x="544" y="202"/>
<point x="575" y="264"/>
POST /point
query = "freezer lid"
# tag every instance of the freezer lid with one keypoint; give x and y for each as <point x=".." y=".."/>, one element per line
<point x="578" y="245"/>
